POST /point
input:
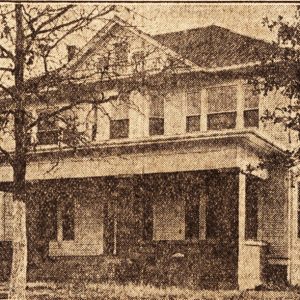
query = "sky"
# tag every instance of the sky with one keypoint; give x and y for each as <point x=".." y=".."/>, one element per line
<point x="242" y="18"/>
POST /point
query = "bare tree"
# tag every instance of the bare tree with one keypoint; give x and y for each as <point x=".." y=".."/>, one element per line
<point x="30" y="36"/>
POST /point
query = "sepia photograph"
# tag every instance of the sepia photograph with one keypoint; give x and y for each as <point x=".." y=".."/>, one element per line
<point x="149" y="150"/>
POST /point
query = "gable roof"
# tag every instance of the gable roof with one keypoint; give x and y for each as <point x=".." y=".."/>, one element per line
<point x="215" y="47"/>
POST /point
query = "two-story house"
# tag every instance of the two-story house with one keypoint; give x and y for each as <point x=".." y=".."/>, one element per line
<point x="164" y="186"/>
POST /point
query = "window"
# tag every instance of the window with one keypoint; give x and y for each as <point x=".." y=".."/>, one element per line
<point x="192" y="217"/>
<point x="119" y="128"/>
<point x="156" y="119"/>
<point x="121" y="53"/>
<point x="222" y="104"/>
<point x="68" y="219"/>
<point x="119" y="123"/>
<point x="48" y="130"/>
<point x="138" y="60"/>
<point x="251" y="112"/>
<point x="102" y="64"/>
<point x="193" y="111"/>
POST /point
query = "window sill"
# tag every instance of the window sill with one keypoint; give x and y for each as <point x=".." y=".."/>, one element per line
<point x="255" y="243"/>
<point x="72" y="248"/>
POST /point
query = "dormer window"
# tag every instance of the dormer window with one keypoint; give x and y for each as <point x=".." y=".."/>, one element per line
<point x="251" y="112"/>
<point x="193" y="111"/>
<point x="156" y="118"/>
<point x="222" y="105"/>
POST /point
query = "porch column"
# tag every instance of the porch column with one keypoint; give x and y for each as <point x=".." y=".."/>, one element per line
<point x="249" y="252"/>
<point x="242" y="279"/>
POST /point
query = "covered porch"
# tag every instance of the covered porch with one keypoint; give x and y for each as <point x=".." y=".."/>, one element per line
<point x="200" y="225"/>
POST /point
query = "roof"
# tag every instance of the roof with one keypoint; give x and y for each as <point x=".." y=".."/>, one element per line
<point x="215" y="46"/>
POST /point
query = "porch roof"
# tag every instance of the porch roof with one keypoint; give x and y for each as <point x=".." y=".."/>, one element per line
<point x="165" y="154"/>
<point x="256" y="139"/>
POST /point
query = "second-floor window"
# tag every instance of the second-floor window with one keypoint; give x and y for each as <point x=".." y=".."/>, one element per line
<point x="48" y="130"/>
<point x="222" y="105"/>
<point x="119" y="123"/>
<point x="193" y="111"/>
<point x="251" y="112"/>
<point x="156" y="116"/>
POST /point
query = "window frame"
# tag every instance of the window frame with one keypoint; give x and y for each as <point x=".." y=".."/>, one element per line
<point x="230" y="111"/>
<point x="189" y="115"/>
<point x="56" y="130"/>
<point x="250" y="108"/>
<point x="154" y="116"/>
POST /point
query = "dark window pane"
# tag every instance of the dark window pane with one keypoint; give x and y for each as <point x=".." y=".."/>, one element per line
<point x="119" y="129"/>
<point x="192" y="218"/>
<point x="156" y="126"/>
<point x="221" y="121"/>
<point x="48" y="137"/>
<point x="251" y="118"/>
<point x="193" y="123"/>
<point x="251" y="224"/>
<point x="68" y="215"/>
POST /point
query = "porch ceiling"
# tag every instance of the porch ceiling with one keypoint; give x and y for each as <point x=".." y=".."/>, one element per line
<point x="199" y="151"/>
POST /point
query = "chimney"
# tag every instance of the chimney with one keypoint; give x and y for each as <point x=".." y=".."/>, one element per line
<point x="71" y="51"/>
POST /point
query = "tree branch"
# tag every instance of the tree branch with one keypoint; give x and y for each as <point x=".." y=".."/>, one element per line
<point x="7" y="156"/>
<point x="7" y="52"/>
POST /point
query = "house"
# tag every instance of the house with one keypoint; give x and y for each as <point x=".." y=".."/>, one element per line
<point x="169" y="189"/>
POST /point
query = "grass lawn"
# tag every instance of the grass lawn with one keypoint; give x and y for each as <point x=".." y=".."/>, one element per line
<point x="107" y="291"/>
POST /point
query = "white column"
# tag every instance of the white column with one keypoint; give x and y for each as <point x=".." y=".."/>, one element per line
<point x="203" y="116"/>
<point x="241" y="230"/>
<point x="240" y="105"/>
<point x="59" y="222"/>
<point x="103" y="122"/>
<point x="2" y="216"/>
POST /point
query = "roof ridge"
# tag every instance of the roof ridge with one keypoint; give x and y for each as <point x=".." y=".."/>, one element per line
<point x="213" y="26"/>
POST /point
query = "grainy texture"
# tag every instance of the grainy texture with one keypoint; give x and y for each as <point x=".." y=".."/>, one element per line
<point x="154" y="166"/>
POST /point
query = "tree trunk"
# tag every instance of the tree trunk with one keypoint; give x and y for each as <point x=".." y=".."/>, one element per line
<point x="17" y="289"/>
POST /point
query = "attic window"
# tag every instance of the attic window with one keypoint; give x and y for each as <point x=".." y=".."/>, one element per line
<point x="193" y="111"/>
<point x="251" y="111"/>
<point x="121" y="53"/>
<point x="102" y="64"/>
<point x="222" y="105"/>
<point x="138" y="61"/>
